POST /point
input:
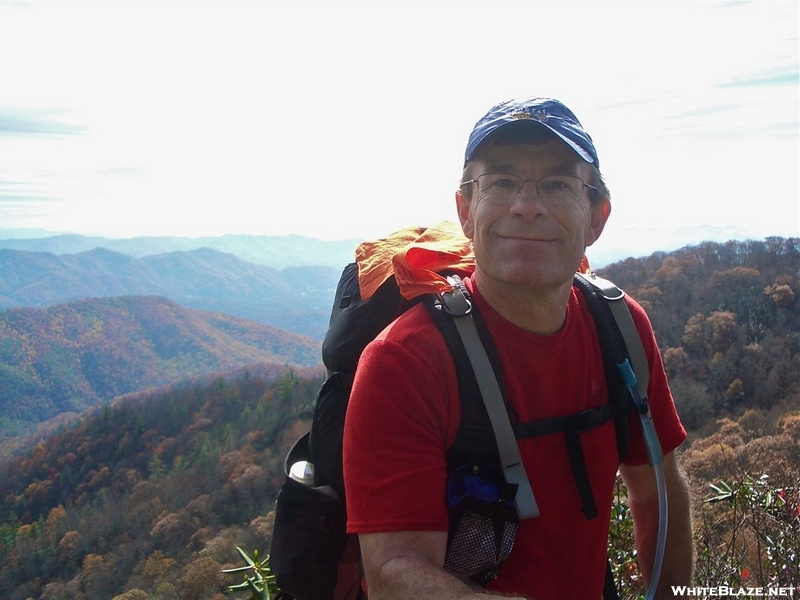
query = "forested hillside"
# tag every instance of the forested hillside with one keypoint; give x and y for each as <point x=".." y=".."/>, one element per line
<point x="727" y="318"/>
<point x="155" y="491"/>
<point x="152" y="492"/>
<point x="69" y="357"/>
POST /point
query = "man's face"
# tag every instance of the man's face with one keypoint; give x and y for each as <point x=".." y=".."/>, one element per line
<point x="528" y="241"/>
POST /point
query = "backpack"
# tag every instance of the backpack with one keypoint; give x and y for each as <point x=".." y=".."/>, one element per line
<point x="312" y="556"/>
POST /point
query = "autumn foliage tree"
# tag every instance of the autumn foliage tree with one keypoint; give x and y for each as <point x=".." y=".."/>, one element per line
<point x="159" y="487"/>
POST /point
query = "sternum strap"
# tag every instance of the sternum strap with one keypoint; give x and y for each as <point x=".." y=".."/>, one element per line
<point x="572" y="425"/>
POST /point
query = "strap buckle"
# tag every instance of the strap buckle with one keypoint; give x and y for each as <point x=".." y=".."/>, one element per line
<point x="456" y="302"/>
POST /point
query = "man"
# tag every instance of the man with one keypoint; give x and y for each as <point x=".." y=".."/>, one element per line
<point x="531" y="200"/>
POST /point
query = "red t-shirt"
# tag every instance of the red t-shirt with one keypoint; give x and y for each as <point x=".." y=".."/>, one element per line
<point x="404" y="414"/>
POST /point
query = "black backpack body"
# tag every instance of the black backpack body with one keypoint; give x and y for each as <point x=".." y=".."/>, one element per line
<point x="312" y="555"/>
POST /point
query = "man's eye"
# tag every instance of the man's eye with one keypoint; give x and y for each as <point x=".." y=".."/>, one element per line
<point x="505" y="183"/>
<point x="554" y="185"/>
<point x="557" y="185"/>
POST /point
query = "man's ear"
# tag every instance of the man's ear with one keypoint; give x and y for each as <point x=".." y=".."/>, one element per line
<point x="463" y="208"/>
<point x="600" y="212"/>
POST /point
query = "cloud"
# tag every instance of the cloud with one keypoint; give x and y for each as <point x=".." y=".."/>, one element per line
<point x="789" y="75"/>
<point x="20" y="194"/>
<point x="36" y="122"/>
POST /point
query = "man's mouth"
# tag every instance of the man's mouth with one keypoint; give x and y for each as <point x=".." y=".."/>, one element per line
<point x="524" y="238"/>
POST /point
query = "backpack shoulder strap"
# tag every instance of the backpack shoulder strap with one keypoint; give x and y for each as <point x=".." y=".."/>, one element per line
<point x="613" y="351"/>
<point x="624" y="321"/>
<point x="482" y="398"/>
<point x="480" y="381"/>
<point x="636" y="379"/>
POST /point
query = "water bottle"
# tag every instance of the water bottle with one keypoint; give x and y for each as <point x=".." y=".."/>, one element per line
<point x="303" y="472"/>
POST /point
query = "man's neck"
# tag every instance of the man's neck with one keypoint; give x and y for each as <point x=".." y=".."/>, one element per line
<point x="541" y="311"/>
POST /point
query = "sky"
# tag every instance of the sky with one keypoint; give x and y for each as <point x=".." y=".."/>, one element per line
<point x="348" y="120"/>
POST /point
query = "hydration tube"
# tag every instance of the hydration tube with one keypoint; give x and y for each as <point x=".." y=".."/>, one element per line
<point x="657" y="461"/>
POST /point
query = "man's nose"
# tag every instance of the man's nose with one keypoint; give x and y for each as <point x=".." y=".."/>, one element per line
<point x="528" y="200"/>
<point x="529" y="186"/>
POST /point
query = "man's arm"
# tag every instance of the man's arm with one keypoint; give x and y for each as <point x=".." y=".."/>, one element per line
<point x="407" y="565"/>
<point x="643" y="499"/>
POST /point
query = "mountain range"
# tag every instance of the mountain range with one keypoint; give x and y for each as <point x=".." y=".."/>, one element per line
<point x="149" y="495"/>
<point x="277" y="252"/>
<point x="79" y="329"/>
<point x="69" y="357"/>
<point x="296" y="299"/>
<point x="284" y="281"/>
<point x="283" y="251"/>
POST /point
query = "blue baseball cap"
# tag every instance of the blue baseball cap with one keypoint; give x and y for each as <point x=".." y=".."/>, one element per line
<point x="544" y="111"/>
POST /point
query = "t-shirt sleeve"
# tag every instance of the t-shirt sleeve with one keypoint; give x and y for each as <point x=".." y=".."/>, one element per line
<point x="398" y="425"/>
<point x="669" y="428"/>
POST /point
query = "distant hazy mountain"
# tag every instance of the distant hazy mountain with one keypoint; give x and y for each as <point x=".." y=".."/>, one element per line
<point x="296" y="299"/>
<point x="274" y="251"/>
<point x="69" y="357"/>
<point x="295" y="250"/>
<point x="284" y="281"/>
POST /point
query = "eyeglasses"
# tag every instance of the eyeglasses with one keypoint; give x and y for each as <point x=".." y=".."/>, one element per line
<point x="556" y="190"/>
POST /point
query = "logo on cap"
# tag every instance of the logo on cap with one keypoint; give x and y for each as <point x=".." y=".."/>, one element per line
<point x="521" y="114"/>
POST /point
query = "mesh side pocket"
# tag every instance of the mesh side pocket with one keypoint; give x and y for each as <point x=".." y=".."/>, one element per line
<point x="481" y="538"/>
